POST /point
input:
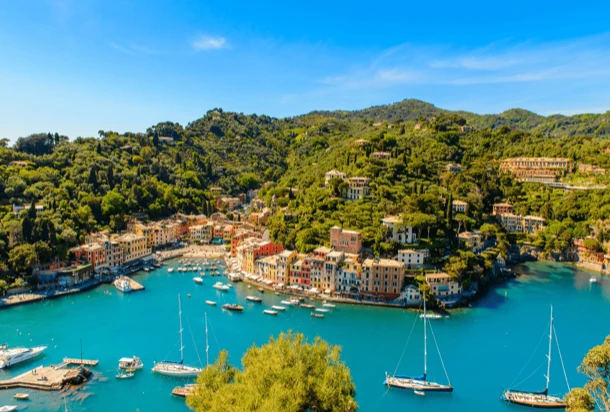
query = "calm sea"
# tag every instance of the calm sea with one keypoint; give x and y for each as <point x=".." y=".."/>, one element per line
<point x="501" y="341"/>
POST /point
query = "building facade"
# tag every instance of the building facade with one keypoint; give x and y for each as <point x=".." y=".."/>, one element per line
<point x="412" y="258"/>
<point x="348" y="241"/>
<point x="398" y="232"/>
<point x="382" y="278"/>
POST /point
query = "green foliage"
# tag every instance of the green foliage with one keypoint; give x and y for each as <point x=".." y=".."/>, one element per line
<point x="596" y="367"/>
<point x="287" y="374"/>
<point x="579" y="400"/>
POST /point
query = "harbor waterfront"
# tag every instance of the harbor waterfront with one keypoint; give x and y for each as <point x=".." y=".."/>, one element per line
<point x="484" y="348"/>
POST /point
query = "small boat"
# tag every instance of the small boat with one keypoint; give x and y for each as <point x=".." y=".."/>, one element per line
<point x="270" y="312"/>
<point x="295" y="302"/>
<point x="277" y="293"/>
<point x="170" y="270"/>
<point x="8" y="408"/>
<point x="316" y="315"/>
<point x="287" y="302"/>
<point x="202" y="274"/>
<point x="261" y="290"/>
<point x="131" y="363"/>
<point x="420" y="393"/>
<point x="254" y="299"/>
<point x="593" y="279"/>
<point x="233" y="306"/>
<point x="307" y="306"/>
<point x="22" y="396"/>
<point x="124" y="376"/>
<point x="322" y="310"/>
<point x="278" y="307"/>
<point x="188" y="295"/>
<point x="431" y="316"/>
<point x="198" y="280"/>
<point x="249" y="287"/>
<point x="221" y="286"/>
<point x="210" y="302"/>
<point x="123" y="285"/>
<point x="329" y="305"/>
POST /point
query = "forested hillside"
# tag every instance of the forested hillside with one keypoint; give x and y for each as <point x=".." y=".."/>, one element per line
<point x="92" y="183"/>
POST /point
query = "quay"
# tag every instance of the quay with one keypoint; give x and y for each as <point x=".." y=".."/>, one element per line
<point x="48" y="378"/>
<point x="135" y="286"/>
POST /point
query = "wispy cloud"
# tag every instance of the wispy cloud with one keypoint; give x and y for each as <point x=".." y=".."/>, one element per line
<point x="210" y="43"/>
<point x="496" y="63"/>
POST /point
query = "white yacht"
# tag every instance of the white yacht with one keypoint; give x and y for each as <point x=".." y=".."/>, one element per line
<point x="198" y="280"/>
<point x="221" y="286"/>
<point x="177" y="369"/>
<point x="10" y="357"/>
<point x="170" y="270"/>
<point x="122" y="285"/>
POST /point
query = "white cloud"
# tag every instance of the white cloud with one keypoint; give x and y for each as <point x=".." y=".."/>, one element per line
<point x="210" y="43"/>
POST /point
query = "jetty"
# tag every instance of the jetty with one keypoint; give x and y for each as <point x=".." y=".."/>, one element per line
<point x="83" y="362"/>
<point x="48" y="378"/>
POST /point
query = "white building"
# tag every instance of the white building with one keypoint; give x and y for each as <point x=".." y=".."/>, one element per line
<point x="459" y="206"/>
<point x="358" y="187"/>
<point x="412" y="258"/>
<point x="398" y="231"/>
<point x="413" y="295"/>
<point x="333" y="174"/>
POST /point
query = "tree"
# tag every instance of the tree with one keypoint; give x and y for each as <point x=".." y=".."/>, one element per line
<point x="596" y="367"/>
<point x="113" y="203"/>
<point x="22" y="257"/>
<point x="3" y="287"/>
<point x="488" y="230"/>
<point x="287" y="374"/>
<point x="579" y="400"/>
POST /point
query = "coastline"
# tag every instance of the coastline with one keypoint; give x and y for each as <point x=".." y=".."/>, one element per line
<point x="10" y="301"/>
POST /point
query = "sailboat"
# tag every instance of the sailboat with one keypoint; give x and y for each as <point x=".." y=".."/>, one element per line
<point x="540" y="399"/>
<point x="189" y="388"/>
<point x="420" y="384"/>
<point x="177" y="369"/>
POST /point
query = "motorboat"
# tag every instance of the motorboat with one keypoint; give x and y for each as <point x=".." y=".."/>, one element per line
<point x="322" y="310"/>
<point x="316" y="315"/>
<point x="202" y="274"/>
<point x="329" y="305"/>
<point x="13" y="356"/>
<point x="261" y="290"/>
<point x="593" y="279"/>
<point x="270" y="312"/>
<point x="254" y="298"/>
<point x="198" y="280"/>
<point x="170" y="270"/>
<point x="221" y="286"/>
<point x="420" y="393"/>
<point x="184" y="391"/>
<point x="233" y="307"/>
<point x="287" y="302"/>
<point x="210" y="302"/>
<point x="125" y="375"/>
<point x="278" y="307"/>
<point x="131" y="363"/>
<point x="123" y="285"/>
<point x="22" y="396"/>
<point x="307" y="306"/>
<point x="8" y="408"/>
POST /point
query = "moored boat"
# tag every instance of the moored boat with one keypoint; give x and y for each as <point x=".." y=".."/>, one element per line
<point x="210" y="302"/>
<point x="233" y="306"/>
<point x="131" y="363"/>
<point x="287" y="302"/>
<point x="322" y="310"/>
<point x="307" y="306"/>
<point x="254" y="299"/>
<point x="316" y="315"/>
<point x="221" y="286"/>
<point x="122" y="284"/>
<point x="329" y="305"/>
<point x="431" y="316"/>
<point x="8" y="408"/>
<point x="261" y="290"/>
<point x="278" y="307"/>
<point x="22" y="396"/>
<point x="420" y="383"/>
<point x="593" y="279"/>
<point x="13" y="356"/>
<point x="184" y="391"/>
<point x="170" y="270"/>
<point x="198" y="280"/>
<point x="270" y="312"/>
<point x="124" y="375"/>
<point x="540" y="399"/>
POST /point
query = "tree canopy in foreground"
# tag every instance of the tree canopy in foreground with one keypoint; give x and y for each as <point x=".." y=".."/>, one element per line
<point x="596" y="367"/>
<point x="287" y="374"/>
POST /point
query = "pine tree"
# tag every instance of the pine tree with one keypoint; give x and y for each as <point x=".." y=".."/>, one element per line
<point x="110" y="176"/>
<point x="98" y="149"/>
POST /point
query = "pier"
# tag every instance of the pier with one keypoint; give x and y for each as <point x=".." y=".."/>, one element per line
<point x="48" y="378"/>
<point x="135" y="286"/>
<point x="84" y="362"/>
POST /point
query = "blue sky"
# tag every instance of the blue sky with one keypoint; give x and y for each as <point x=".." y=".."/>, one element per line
<point x="77" y="66"/>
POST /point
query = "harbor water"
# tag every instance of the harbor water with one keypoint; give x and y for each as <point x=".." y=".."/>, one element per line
<point x="485" y="348"/>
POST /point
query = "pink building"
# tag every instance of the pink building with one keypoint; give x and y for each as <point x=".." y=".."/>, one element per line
<point x="348" y="241"/>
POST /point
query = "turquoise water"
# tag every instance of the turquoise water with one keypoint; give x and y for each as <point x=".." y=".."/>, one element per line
<point x="483" y="348"/>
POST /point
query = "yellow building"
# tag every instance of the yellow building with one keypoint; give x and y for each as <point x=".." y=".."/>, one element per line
<point x="134" y="246"/>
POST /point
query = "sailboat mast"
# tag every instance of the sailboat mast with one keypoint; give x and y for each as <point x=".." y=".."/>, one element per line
<point x="207" y="346"/>
<point x="548" y="368"/>
<point x="180" y="317"/>
<point x="425" y="342"/>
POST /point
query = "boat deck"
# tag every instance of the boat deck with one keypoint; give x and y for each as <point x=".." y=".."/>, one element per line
<point x="47" y="378"/>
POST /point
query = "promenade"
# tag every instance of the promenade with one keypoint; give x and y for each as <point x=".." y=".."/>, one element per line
<point x="194" y="251"/>
<point x="30" y="297"/>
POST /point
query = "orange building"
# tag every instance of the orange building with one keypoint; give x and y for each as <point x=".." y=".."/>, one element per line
<point x="348" y="241"/>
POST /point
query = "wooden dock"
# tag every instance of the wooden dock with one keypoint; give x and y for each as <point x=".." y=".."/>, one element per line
<point x="47" y="378"/>
<point x="84" y="362"/>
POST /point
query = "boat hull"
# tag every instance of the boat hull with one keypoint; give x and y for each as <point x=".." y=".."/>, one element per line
<point x="8" y="359"/>
<point x="176" y="371"/>
<point x="533" y="400"/>
<point x="417" y="385"/>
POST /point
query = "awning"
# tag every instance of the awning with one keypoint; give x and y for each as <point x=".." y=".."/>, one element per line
<point x="327" y="291"/>
<point x="313" y="290"/>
